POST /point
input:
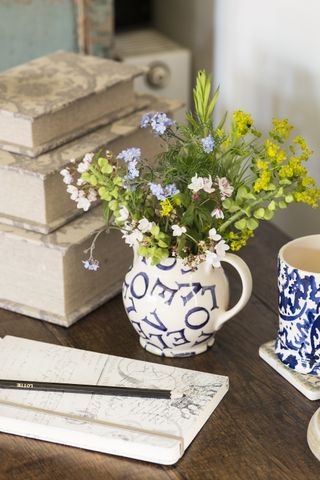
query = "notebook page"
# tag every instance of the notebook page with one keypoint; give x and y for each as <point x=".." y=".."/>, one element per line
<point x="25" y="359"/>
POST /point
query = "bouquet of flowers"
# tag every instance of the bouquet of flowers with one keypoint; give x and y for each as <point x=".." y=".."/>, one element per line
<point x="208" y="190"/>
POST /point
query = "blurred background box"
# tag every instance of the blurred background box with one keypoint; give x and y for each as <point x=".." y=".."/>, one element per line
<point x="33" y="28"/>
<point x="167" y="64"/>
<point x="33" y="195"/>
<point x="43" y="276"/>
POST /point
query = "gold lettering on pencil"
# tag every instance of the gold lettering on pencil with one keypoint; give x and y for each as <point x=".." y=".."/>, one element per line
<point x="25" y="385"/>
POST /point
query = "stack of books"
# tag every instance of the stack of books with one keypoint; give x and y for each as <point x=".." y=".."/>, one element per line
<point x="52" y="110"/>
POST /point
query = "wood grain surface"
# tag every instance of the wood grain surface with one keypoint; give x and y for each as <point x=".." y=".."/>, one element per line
<point x="258" y="432"/>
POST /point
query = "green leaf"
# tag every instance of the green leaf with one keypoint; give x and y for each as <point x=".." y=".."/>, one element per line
<point x="252" y="223"/>
<point x="242" y="193"/>
<point x="162" y="244"/>
<point x="268" y="214"/>
<point x="289" y="198"/>
<point x="259" y="213"/>
<point x="282" y="204"/>
<point x="227" y="203"/>
<point x="279" y="193"/>
<point x="284" y="181"/>
<point x="272" y="205"/>
<point x="113" y="205"/>
<point x="241" y="224"/>
<point x="93" y="180"/>
<point x="104" y="194"/>
<point x="155" y="230"/>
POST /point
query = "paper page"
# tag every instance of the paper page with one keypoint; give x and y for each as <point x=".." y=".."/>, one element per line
<point x="30" y="360"/>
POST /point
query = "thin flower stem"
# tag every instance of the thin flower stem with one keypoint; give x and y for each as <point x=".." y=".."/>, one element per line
<point x="191" y="238"/>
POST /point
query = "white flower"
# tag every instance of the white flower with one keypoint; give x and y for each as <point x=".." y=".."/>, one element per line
<point x="225" y="188"/>
<point x="214" y="235"/>
<point x="83" y="203"/>
<point x="74" y="192"/>
<point x="212" y="258"/>
<point x="207" y="185"/>
<point x="196" y="183"/>
<point x="85" y="164"/>
<point x="83" y="167"/>
<point x="144" y="225"/>
<point x="133" y="238"/>
<point x="217" y="213"/>
<point x="221" y="248"/>
<point x="67" y="177"/>
<point x="92" y="196"/>
<point x="178" y="231"/>
<point x="124" y="215"/>
<point x="88" y="157"/>
<point x="80" y="182"/>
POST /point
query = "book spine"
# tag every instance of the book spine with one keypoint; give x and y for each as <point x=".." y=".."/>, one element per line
<point x="95" y="27"/>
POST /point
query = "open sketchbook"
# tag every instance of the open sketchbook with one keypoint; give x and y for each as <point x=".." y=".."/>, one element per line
<point x="154" y="430"/>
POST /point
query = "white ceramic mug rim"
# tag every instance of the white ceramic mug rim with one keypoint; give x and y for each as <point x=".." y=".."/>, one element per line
<point x="299" y="239"/>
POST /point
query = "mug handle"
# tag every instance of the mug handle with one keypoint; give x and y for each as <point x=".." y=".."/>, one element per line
<point x="246" y="279"/>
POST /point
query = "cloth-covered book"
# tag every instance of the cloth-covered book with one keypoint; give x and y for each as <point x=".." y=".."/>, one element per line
<point x="33" y="195"/>
<point x="50" y="100"/>
<point x="43" y="276"/>
<point x="154" y="430"/>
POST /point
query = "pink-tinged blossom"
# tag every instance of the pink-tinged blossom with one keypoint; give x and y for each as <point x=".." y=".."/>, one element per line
<point x="217" y="213"/>
<point x="225" y="187"/>
<point x="207" y="185"/>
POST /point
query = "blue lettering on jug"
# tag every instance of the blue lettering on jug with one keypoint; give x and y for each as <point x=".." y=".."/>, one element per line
<point x="163" y="289"/>
<point x="158" y="324"/>
<point x="134" y="286"/>
<point x="181" y="338"/>
<point x="191" y="315"/>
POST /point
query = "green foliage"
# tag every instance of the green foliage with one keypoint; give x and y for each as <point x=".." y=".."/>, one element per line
<point x="245" y="180"/>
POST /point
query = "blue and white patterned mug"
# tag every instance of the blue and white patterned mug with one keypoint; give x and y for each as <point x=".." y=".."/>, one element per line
<point x="298" y="341"/>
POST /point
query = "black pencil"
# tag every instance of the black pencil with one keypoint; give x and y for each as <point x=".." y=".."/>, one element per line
<point x="89" y="389"/>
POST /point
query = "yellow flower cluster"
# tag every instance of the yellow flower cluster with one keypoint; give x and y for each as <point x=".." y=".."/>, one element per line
<point x="281" y="128"/>
<point x="261" y="164"/>
<point x="263" y="181"/>
<point x="166" y="208"/>
<point x="310" y="196"/>
<point x="243" y="122"/>
<point x="237" y="240"/>
<point x="304" y="147"/>
<point x="271" y="149"/>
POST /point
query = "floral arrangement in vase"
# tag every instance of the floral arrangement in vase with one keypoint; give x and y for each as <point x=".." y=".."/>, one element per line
<point x="206" y="193"/>
<point x="209" y="189"/>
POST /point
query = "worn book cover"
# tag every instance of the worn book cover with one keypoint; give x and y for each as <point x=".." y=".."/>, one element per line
<point x="33" y="195"/>
<point x="43" y="275"/>
<point x="50" y="100"/>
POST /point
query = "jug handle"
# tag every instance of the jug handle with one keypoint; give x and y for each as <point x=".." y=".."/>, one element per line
<point x="246" y="279"/>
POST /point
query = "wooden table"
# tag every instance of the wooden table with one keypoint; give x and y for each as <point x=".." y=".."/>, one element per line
<point x="257" y="432"/>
